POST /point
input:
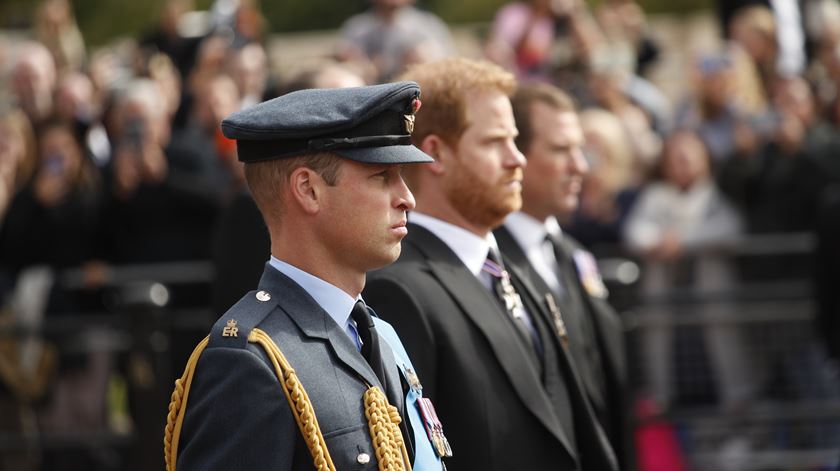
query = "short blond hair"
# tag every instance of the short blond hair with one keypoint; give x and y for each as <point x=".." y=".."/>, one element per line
<point x="268" y="178"/>
<point x="443" y="87"/>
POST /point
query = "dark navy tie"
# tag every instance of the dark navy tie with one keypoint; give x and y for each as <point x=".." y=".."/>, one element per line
<point x="370" y="339"/>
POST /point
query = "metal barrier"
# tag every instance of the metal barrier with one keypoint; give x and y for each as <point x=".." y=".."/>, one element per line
<point x="127" y="350"/>
<point x="737" y="372"/>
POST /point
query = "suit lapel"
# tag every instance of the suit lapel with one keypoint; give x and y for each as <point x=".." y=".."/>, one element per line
<point x="537" y="286"/>
<point x="514" y="255"/>
<point x="531" y="282"/>
<point x="487" y="315"/>
<point x="314" y="322"/>
<point x="607" y="325"/>
<point x="592" y="428"/>
<point x="609" y="329"/>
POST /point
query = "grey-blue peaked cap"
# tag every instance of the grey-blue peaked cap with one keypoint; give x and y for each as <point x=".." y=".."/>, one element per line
<point x="370" y="124"/>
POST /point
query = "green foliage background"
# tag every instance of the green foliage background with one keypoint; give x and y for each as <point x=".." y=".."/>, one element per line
<point x="103" y="20"/>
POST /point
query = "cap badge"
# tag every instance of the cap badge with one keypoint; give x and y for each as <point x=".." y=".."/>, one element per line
<point x="409" y="118"/>
<point x="230" y="329"/>
<point x="409" y="123"/>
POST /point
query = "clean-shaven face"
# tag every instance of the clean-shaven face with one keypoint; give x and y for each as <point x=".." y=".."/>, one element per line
<point x="365" y="214"/>
<point x="556" y="164"/>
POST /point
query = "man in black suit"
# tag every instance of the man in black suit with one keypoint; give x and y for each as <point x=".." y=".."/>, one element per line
<point x="551" y="138"/>
<point x="478" y="334"/>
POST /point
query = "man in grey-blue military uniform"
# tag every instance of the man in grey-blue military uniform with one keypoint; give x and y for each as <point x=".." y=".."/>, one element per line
<point x="324" y="167"/>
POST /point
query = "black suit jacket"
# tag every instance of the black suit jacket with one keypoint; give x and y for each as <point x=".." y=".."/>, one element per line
<point x="476" y="368"/>
<point x="596" y="339"/>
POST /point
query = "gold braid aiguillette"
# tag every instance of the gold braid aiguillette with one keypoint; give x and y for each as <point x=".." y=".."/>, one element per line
<point x="383" y="418"/>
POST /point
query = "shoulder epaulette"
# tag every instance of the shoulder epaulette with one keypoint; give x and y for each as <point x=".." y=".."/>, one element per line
<point x="232" y="329"/>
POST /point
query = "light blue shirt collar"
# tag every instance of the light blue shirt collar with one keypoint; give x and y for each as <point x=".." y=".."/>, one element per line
<point x="331" y="298"/>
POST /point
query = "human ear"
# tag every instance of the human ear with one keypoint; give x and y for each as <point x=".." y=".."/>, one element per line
<point x="436" y="147"/>
<point x="305" y="188"/>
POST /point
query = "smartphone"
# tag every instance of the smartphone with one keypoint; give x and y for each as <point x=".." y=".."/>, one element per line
<point x="135" y="133"/>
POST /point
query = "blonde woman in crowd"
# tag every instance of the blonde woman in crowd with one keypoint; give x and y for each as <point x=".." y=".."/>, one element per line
<point x="681" y="226"/>
<point x="17" y="156"/>
<point x="56" y="28"/>
<point x="609" y="187"/>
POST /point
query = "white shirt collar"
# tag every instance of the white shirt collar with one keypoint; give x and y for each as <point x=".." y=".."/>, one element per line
<point x="471" y="249"/>
<point x="526" y="230"/>
<point x="530" y="234"/>
<point x="331" y="298"/>
<point x="553" y="227"/>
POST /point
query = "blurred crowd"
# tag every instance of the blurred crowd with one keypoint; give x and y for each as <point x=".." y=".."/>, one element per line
<point x="114" y="156"/>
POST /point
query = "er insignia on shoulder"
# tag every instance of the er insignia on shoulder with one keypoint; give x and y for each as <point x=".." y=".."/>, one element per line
<point x="230" y="330"/>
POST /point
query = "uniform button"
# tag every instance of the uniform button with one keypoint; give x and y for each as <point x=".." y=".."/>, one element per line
<point x="263" y="296"/>
<point x="363" y="458"/>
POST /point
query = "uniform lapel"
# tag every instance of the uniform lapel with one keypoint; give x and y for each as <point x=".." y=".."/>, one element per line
<point x="476" y="303"/>
<point x="394" y="387"/>
<point x="395" y="393"/>
<point x="314" y="322"/>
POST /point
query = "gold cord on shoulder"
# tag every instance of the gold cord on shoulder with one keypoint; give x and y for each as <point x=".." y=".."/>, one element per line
<point x="383" y="418"/>
<point x="177" y="407"/>
<point x="298" y="400"/>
